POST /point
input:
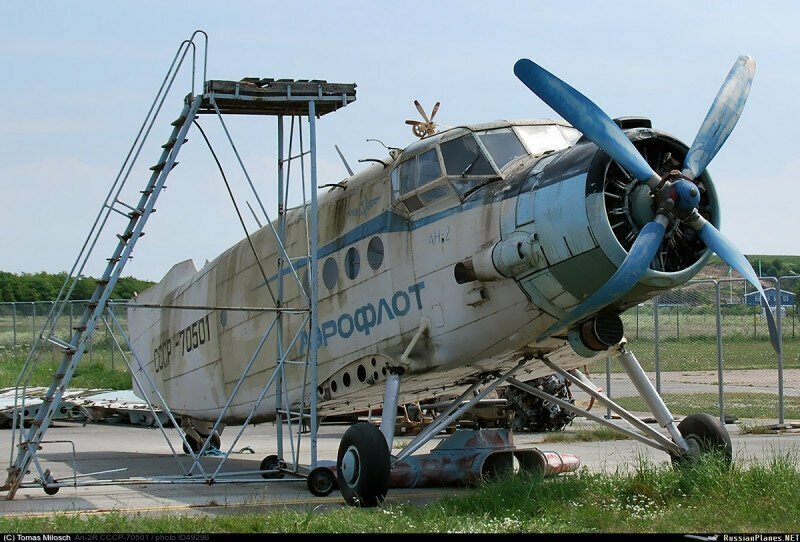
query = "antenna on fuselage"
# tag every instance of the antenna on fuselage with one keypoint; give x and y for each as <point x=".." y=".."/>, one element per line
<point x="254" y="214"/>
<point x="346" y="165"/>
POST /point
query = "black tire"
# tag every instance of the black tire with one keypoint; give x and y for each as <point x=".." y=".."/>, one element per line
<point x="362" y="465"/>
<point x="321" y="482"/>
<point x="705" y="434"/>
<point x="52" y="490"/>
<point x="196" y="446"/>
<point x="271" y="462"/>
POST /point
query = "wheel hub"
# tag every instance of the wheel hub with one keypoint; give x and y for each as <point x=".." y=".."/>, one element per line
<point x="350" y="466"/>
<point x="694" y="449"/>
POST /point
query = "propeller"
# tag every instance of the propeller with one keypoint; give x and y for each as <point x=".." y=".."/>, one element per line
<point x="675" y="195"/>
<point x="427" y="128"/>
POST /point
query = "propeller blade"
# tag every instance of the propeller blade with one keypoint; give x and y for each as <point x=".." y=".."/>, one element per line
<point x="721" y="118"/>
<point x="717" y="242"/>
<point x="414" y="122"/>
<point x="435" y="109"/>
<point x="421" y="111"/>
<point x="633" y="267"/>
<point x="587" y="117"/>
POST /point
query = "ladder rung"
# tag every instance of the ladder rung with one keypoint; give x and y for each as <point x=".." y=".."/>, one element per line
<point x="137" y="213"/>
<point x="79" y="328"/>
<point x="171" y="143"/>
<point x="125" y="204"/>
<point x="66" y="347"/>
<point x="159" y="167"/>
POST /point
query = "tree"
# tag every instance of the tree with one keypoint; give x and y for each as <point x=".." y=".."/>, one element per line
<point x="46" y="287"/>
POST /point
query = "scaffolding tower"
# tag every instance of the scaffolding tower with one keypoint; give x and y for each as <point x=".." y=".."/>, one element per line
<point x="279" y="98"/>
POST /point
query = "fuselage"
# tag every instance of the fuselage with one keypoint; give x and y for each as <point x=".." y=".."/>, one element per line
<point x="524" y="207"/>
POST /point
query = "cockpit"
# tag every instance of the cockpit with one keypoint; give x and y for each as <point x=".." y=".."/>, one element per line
<point x="456" y="162"/>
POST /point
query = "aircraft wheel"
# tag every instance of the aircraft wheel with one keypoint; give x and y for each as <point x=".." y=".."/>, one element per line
<point x="321" y="482"/>
<point x="48" y="479"/>
<point x="196" y="445"/>
<point x="362" y="465"/>
<point x="271" y="462"/>
<point x="704" y="434"/>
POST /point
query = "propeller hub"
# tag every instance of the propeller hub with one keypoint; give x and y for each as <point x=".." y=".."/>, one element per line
<point x="685" y="194"/>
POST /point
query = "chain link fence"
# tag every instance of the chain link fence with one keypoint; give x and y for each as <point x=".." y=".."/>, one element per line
<point x="706" y="347"/>
<point x="22" y="321"/>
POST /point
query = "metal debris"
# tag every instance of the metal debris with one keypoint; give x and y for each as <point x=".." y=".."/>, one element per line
<point x="80" y="405"/>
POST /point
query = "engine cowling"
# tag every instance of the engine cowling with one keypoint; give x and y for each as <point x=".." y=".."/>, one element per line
<point x="575" y="218"/>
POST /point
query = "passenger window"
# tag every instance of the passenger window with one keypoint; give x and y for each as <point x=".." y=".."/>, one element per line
<point x="330" y="273"/>
<point x="352" y="263"/>
<point x="375" y="253"/>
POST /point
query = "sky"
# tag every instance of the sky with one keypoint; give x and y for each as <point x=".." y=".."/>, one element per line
<point x="79" y="77"/>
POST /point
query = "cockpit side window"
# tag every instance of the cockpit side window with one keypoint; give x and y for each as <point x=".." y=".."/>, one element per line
<point x="462" y="158"/>
<point x="416" y="173"/>
<point x="408" y="175"/>
<point x="429" y="168"/>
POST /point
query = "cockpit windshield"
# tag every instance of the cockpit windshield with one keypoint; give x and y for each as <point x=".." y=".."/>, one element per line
<point x="503" y="145"/>
<point x="542" y="138"/>
<point x="463" y="157"/>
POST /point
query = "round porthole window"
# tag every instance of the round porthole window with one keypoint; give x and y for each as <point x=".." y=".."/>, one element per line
<point x="375" y="253"/>
<point x="352" y="263"/>
<point x="330" y="273"/>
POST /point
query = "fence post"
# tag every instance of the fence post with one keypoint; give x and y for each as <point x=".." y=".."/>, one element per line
<point x="33" y="322"/>
<point x="14" y="324"/>
<point x="779" y="324"/>
<point x="111" y="331"/>
<point x="657" y="344"/>
<point x="719" y="353"/>
<point x="608" y="385"/>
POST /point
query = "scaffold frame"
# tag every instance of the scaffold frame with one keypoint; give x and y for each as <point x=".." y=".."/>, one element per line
<point x="250" y="96"/>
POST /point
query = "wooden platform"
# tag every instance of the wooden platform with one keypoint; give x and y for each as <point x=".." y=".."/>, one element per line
<point x="254" y="96"/>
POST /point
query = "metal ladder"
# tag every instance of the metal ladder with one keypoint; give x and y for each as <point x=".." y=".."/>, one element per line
<point x="30" y="440"/>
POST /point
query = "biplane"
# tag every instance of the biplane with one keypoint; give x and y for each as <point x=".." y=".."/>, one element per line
<point x="478" y="256"/>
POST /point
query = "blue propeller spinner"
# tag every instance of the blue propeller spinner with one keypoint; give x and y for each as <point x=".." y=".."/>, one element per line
<point x="676" y="196"/>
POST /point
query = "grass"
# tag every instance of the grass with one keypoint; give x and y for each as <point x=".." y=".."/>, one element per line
<point x="97" y="373"/>
<point x="642" y="498"/>
<point x="742" y="405"/>
<point x="691" y="354"/>
<point x="596" y="434"/>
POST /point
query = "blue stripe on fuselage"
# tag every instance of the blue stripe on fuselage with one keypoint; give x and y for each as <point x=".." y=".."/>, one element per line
<point x="389" y="221"/>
